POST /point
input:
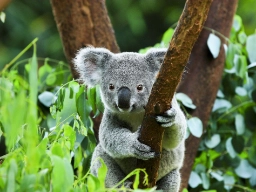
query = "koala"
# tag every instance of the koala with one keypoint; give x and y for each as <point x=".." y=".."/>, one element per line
<point x="126" y="80"/>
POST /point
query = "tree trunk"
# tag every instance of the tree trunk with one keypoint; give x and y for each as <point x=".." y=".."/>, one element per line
<point x="82" y="23"/>
<point x="188" y="29"/>
<point x="202" y="81"/>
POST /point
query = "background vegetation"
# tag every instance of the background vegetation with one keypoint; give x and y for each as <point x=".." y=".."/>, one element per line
<point x="35" y="160"/>
<point x="137" y="24"/>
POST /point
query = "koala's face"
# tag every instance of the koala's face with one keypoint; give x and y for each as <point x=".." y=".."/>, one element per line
<point x="126" y="79"/>
<point x="126" y="83"/>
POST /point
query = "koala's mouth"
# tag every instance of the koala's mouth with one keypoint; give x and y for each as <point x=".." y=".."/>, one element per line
<point x="125" y="110"/>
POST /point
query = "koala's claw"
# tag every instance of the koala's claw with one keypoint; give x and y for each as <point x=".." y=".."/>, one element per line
<point x="142" y="151"/>
<point x="167" y="119"/>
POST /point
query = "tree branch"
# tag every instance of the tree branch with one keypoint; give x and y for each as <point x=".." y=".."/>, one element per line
<point x="82" y="23"/>
<point x="202" y="82"/>
<point x="188" y="29"/>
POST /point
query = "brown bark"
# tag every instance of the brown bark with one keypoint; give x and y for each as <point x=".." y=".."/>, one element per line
<point x="202" y="81"/>
<point x="188" y="29"/>
<point x="82" y="23"/>
<point x="3" y="4"/>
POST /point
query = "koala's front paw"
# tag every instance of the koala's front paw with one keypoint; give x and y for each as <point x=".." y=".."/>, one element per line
<point x="142" y="151"/>
<point x="167" y="119"/>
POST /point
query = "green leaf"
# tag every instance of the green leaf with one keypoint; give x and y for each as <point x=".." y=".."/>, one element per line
<point x="102" y="173"/>
<point x="229" y="181"/>
<point x="240" y="64"/>
<point x="214" y="44"/>
<point x="254" y="95"/>
<point x="213" y="141"/>
<point x="194" y="179"/>
<point x="2" y="16"/>
<point x="221" y="104"/>
<point x="241" y="91"/>
<point x="230" y="56"/>
<point x="47" y="98"/>
<point x="242" y="37"/>
<point x="70" y="136"/>
<point x="230" y="148"/>
<point x="252" y="179"/>
<point x="252" y="155"/>
<point x="220" y="94"/>
<point x="62" y="174"/>
<point x="205" y="180"/>
<point x="251" y="47"/>
<point x="237" y="23"/>
<point x="217" y="176"/>
<point x="12" y="171"/>
<point x="56" y="149"/>
<point x="238" y="143"/>
<point x="244" y="170"/>
<point x="167" y="36"/>
<point x="51" y="79"/>
<point x="91" y="95"/>
<point x="185" y="100"/>
<point x="240" y="124"/>
<point x="195" y="126"/>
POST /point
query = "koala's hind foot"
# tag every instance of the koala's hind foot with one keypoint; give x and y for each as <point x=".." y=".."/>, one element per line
<point x="170" y="182"/>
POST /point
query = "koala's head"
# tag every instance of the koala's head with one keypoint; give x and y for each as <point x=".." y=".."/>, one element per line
<point x="125" y="78"/>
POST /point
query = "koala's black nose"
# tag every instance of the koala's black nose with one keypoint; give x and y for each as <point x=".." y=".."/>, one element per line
<point x="124" y="96"/>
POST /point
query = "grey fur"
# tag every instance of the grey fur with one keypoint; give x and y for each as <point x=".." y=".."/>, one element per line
<point x="118" y="135"/>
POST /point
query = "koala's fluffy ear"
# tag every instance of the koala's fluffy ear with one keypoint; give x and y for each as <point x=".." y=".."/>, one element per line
<point x="155" y="57"/>
<point x="89" y="63"/>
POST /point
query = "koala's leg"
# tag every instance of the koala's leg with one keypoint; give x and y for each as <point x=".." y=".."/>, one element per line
<point x="170" y="182"/>
<point x="114" y="173"/>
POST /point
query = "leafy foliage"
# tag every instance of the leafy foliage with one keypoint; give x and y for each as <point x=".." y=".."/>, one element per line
<point x="48" y="131"/>
<point x="226" y="157"/>
<point x="45" y="119"/>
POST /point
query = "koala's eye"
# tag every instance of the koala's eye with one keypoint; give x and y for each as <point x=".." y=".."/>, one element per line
<point x="111" y="87"/>
<point x="140" y="87"/>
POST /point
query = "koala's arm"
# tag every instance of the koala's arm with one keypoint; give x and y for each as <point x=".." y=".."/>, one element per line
<point x="175" y="125"/>
<point x="120" y="142"/>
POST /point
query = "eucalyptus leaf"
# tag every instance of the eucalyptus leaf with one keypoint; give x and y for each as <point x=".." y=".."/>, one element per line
<point x="194" y="179"/>
<point x="251" y="47"/>
<point x="242" y="37"/>
<point x="217" y="176"/>
<point x="185" y="100"/>
<point x="205" y="180"/>
<point x="251" y="65"/>
<point x="213" y="141"/>
<point x="241" y="91"/>
<point x="229" y="181"/>
<point x="47" y="98"/>
<point x="252" y="179"/>
<point x="244" y="170"/>
<point x="220" y="104"/>
<point x="195" y="126"/>
<point x="237" y="23"/>
<point x="240" y="124"/>
<point x="214" y="44"/>
<point x="230" y="148"/>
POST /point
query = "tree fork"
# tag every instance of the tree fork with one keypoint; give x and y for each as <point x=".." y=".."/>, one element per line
<point x="202" y="82"/>
<point x="188" y="29"/>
